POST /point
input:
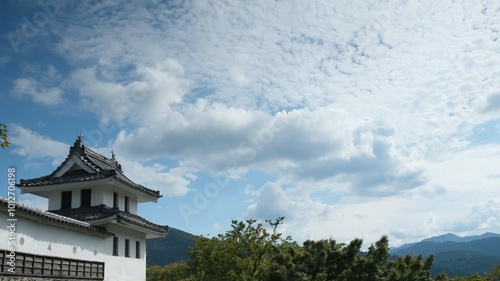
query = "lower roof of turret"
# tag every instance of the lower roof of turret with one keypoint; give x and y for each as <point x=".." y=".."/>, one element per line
<point x="57" y="219"/>
<point x="103" y="211"/>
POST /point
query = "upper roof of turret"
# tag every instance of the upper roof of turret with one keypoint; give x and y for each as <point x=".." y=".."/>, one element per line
<point x="84" y="164"/>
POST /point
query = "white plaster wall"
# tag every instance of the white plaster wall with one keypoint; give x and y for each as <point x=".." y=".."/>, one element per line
<point x="107" y="197"/>
<point x="122" y="234"/>
<point x="43" y="239"/>
<point x="39" y="236"/>
<point x="132" y="202"/>
<point x="54" y="201"/>
<point x="97" y="196"/>
<point x="133" y="205"/>
<point x="124" y="269"/>
<point x="132" y="268"/>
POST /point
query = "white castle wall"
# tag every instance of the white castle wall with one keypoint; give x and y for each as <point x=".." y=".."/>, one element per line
<point x="41" y="238"/>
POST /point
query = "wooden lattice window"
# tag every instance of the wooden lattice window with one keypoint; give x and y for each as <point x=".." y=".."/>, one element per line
<point x="48" y="266"/>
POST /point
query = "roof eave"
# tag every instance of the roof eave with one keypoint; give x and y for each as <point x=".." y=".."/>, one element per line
<point x="41" y="189"/>
<point x="150" y="233"/>
<point x="142" y="196"/>
<point x="103" y="221"/>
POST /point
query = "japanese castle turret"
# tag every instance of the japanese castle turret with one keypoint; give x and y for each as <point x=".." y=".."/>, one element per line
<point x="91" y="228"/>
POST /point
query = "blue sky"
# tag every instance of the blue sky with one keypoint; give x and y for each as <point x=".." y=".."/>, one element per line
<point x="349" y="118"/>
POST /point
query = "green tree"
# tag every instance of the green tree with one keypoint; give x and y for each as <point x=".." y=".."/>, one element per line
<point x="4" y="142"/>
<point x="177" y="271"/>
<point x="474" y="277"/>
<point x="326" y="260"/>
<point x="244" y="253"/>
<point x="411" y="268"/>
<point x="153" y="273"/>
<point x="375" y="264"/>
<point x="495" y="273"/>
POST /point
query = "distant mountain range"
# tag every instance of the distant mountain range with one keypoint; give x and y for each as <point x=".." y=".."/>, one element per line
<point x="455" y="255"/>
<point x="449" y="237"/>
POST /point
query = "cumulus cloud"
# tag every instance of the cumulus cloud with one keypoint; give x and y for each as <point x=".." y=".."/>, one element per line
<point x="33" y="145"/>
<point x="169" y="181"/>
<point x="40" y="83"/>
<point x="403" y="218"/>
<point x="37" y="92"/>
<point x="483" y="217"/>
<point x="206" y="134"/>
<point x="309" y="218"/>
<point x="272" y="203"/>
<point x="298" y="145"/>
<point x="145" y="97"/>
<point x="43" y="85"/>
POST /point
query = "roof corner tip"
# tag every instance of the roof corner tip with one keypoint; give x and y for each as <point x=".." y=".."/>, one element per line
<point x="79" y="142"/>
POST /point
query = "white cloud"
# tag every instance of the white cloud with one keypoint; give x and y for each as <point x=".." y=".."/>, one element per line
<point x="201" y="131"/>
<point x="146" y="96"/>
<point x="403" y="218"/>
<point x="42" y="88"/>
<point x="310" y="219"/>
<point x="33" y="145"/>
<point x="483" y="217"/>
<point x="272" y="203"/>
<point x="169" y="181"/>
<point x="298" y="145"/>
<point x="461" y="196"/>
<point x="415" y="67"/>
<point x="397" y="61"/>
<point x="37" y="92"/>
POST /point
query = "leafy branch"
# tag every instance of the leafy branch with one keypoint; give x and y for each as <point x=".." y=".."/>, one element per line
<point x="4" y="142"/>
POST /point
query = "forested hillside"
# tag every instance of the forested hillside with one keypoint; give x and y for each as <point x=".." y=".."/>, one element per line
<point x="477" y="255"/>
<point x="171" y="249"/>
<point x="463" y="263"/>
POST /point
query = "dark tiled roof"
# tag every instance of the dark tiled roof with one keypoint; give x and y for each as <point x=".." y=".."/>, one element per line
<point x="63" y="220"/>
<point x="101" y="165"/>
<point x="137" y="220"/>
<point x="103" y="211"/>
<point x="73" y="176"/>
<point x="88" y="213"/>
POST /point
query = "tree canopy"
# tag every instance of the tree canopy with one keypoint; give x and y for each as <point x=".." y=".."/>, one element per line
<point x="250" y="251"/>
